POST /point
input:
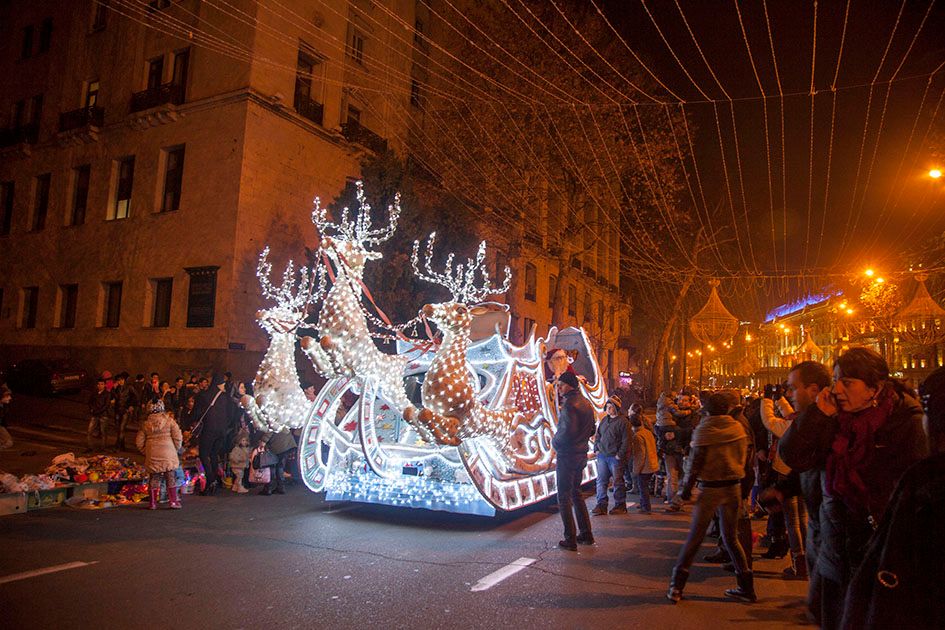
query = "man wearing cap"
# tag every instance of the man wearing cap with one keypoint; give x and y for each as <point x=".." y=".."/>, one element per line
<point x="575" y="428"/>
<point x="610" y="444"/>
<point x="717" y="461"/>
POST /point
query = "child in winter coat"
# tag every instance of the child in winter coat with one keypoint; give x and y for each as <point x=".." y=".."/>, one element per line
<point x="239" y="460"/>
<point x="159" y="439"/>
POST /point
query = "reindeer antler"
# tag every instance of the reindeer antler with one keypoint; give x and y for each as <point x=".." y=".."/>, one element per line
<point x="460" y="281"/>
<point x="359" y="230"/>
<point x="290" y="296"/>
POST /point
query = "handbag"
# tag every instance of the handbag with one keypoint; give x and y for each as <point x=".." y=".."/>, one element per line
<point x="260" y="475"/>
<point x="265" y="459"/>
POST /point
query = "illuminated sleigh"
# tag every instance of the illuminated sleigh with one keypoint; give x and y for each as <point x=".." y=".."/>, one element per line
<point x="481" y="441"/>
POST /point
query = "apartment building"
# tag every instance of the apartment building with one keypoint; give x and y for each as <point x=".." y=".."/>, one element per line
<point x="149" y="150"/>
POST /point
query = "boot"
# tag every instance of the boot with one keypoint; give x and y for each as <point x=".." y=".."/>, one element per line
<point x="798" y="568"/>
<point x="677" y="583"/>
<point x="620" y="508"/>
<point x="154" y="490"/>
<point x="600" y="510"/>
<point x="745" y="591"/>
<point x="718" y="557"/>
<point x="778" y="549"/>
<point x="173" y="497"/>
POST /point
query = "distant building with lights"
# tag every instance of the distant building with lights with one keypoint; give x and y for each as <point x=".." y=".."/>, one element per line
<point x="150" y="150"/>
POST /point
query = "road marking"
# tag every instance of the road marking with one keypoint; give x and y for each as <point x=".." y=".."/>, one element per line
<point x="505" y="572"/>
<point x="37" y="572"/>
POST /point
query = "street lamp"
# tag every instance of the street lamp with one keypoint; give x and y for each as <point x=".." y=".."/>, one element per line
<point x="935" y="173"/>
<point x="869" y="273"/>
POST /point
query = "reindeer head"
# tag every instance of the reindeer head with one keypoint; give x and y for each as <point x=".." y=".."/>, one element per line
<point x="456" y="315"/>
<point x="349" y="241"/>
<point x="292" y="298"/>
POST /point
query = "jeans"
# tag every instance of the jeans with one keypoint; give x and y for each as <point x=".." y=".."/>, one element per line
<point x="725" y="501"/>
<point x="673" y="464"/>
<point x="276" y="475"/>
<point x="121" y="423"/>
<point x="642" y="482"/>
<point x="608" y="468"/>
<point x="98" y="425"/>
<point x="571" y="504"/>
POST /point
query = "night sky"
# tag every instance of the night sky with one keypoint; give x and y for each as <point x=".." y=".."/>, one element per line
<point x="832" y="205"/>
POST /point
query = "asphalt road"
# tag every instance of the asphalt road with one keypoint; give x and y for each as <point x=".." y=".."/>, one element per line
<point x="294" y="561"/>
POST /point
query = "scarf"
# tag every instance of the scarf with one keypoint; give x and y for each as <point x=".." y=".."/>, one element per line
<point x="851" y="448"/>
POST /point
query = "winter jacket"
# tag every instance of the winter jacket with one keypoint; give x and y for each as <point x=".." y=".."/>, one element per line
<point x="777" y="425"/>
<point x="898" y="443"/>
<point x="668" y="440"/>
<point x="279" y="443"/>
<point x="124" y="397"/>
<point x="575" y="427"/>
<point x="899" y="583"/>
<point x="643" y="452"/>
<point x="239" y="457"/>
<point x="611" y="438"/>
<point x="99" y="403"/>
<point x="666" y="409"/>
<point x="719" y="451"/>
<point x="159" y="439"/>
<point x="213" y="409"/>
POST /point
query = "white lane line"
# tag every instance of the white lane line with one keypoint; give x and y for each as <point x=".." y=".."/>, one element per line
<point x="36" y="572"/>
<point x="505" y="572"/>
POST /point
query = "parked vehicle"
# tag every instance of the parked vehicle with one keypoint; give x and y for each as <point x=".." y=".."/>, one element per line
<point x="46" y="376"/>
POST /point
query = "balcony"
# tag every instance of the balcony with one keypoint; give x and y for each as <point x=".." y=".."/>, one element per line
<point x="24" y="134"/>
<point x="307" y="108"/>
<point x="169" y="93"/>
<point x="83" y="117"/>
<point x="355" y="132"/>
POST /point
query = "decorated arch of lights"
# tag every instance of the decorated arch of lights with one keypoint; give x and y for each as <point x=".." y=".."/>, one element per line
<point x="462" y="422"/>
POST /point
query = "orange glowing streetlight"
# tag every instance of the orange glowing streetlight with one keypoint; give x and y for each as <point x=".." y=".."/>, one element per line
<point x="869" y="273"/>
<point x="935" y="173"/>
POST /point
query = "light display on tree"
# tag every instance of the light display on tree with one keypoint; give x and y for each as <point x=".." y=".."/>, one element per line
<point x="481" y="442"/>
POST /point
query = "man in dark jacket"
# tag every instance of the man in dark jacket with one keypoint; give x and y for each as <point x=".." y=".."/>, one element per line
<point x="575" y="428"/>
<point x="99" y="405"/>
<point x="212" y="409"/>
<point x="125" y="403"/>
<point x="610" y="444"/>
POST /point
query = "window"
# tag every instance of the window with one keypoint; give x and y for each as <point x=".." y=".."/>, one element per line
<point x="173" y="177"/>
<point x="68" y="299"/>
<point x="91" y="94"/>
<point x="30" y="304"/>
<point x="531" y="282"/>
<point x="112" y="314"/>
<point x="19" y="113"/>
<point x="418" y="31"/>
<point x="308" y="90"/>
<point x="572" y="300"/>
<point x="305" y="68"/>
<point x="161" y="315"/>
<point x="26" y="51"/>
<point x="600" y="316"/>
<point x="414" y="92"/>
<point x="124" y="174"/>
<point x="201" y="296"/>
<point x="613" y="316"/>
<point x="159" y="4"/>
<point x="80" y="194"/>
<point x="41" y="202"/>
<point x="527" y="325"/>
<point x="354" y="115"/>
<point x="155" y="73"/>
<point x="36" y="109"/>
<point x="99" y="14"/>
<point x="552" y="288"/>
<point x="587" y="305"/>
<point x="356" y="46"/>
<point x="181" y="66"/>
<point x="6" y="207"/>
<point x="610" y="368"/>
<point x="45" y="35"/>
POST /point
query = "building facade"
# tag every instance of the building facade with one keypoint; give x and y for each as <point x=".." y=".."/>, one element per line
<point x="152" y="149"/>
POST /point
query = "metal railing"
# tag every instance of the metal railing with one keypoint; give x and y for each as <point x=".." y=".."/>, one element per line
<point x="359" y="134"/>
<point x="28" y="134"/>
<point x="82" y="117"/>
<point x="167" y="93"/>
<point x="308" y="108"/>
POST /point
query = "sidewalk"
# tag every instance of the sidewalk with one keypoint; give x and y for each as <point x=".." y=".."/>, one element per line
<point x="44" y="427"/>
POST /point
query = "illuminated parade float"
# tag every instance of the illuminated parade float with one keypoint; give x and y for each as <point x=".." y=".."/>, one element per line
<point x="461" y="421"/>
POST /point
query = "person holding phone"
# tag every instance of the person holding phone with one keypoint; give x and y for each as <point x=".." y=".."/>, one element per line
<point x="865" y="431"/>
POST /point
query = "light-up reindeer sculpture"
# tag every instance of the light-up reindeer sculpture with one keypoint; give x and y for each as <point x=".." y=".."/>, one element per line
<point x="344" y="347"/>
<point x="451" y="410"/>
<point x="279" y="401"/>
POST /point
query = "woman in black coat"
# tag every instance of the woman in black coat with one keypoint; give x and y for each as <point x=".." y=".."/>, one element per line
<point x="864" y="432"/>
<point x="899" y="583"/>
